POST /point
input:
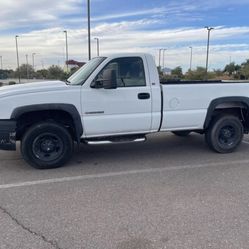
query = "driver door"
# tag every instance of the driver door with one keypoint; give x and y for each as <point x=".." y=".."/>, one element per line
<point x="127" y="109"/>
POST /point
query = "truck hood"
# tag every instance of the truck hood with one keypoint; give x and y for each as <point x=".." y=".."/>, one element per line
<point x="45" y="86"/>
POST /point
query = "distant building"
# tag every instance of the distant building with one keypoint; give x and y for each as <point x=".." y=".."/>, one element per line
<point x="166" y="71"/>
<point x="73" y="63"/>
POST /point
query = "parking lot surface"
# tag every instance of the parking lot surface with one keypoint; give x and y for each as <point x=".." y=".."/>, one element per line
<point x="169" y="192"/>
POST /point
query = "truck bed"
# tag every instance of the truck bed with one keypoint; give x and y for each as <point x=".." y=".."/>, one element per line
<point x="173" y="82"/>
<point x="184" y="99"/>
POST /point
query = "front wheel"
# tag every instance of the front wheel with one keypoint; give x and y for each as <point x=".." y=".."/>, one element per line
<point x="47" y="145"/>
<point x="225" y="134"/>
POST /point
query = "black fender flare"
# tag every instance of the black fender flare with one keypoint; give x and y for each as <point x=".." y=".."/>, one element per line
<point x="214" y="103"/>
<point x="69" y="108"/>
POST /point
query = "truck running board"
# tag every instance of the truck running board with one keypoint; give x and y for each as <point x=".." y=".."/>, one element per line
<point x="116" y="140"/>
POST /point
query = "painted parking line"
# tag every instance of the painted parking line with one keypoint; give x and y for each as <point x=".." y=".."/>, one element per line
<point x="116" y="174"/>
<point x="245" y="142"/>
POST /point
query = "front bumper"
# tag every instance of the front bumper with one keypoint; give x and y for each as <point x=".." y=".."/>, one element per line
<point x="7" y="135"/>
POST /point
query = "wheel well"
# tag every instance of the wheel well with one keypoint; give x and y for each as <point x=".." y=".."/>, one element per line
<point x="238" y="109"/>
<point x="28" y="119"/>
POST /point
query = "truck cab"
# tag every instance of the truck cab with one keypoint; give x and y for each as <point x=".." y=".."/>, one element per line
<point x="117" y="98"/>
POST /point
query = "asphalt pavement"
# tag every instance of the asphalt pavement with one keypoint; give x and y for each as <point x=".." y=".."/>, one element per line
<point x="169" y="192"/>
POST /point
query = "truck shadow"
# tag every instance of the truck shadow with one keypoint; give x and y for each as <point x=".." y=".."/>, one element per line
<point x="154" y="146"/>
<point x="159" y="151"/>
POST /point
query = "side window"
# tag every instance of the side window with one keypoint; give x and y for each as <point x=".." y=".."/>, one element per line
<point x="129" y="71"/>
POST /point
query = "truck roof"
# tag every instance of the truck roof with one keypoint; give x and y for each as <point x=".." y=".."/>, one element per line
<point x="126" y="54"/>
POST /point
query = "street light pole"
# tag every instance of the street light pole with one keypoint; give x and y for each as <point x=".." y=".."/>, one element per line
<point x="1" y="57"/>
<point x="209" y="29"/>
<point x="89" y="29"/>
<point x="97" y="39"/>
<point x="66" y="49"/>
<point x="27" y="65"/>
<point x="160" y="50"/>
<point x="17" y="57"/>
<point x="191" y="58"/>
<point x="163" y="56"/>
<point x="33" y="60"/>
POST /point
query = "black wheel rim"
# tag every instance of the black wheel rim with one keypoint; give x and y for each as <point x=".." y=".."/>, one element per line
<point x="227" y="136"/>
<point x="47" y="147"/>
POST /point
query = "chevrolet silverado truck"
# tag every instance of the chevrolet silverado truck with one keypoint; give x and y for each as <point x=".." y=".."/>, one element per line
<point x="118" y="99"/>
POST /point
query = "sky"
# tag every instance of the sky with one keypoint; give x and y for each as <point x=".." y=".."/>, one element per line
<point x="125" y="26"/>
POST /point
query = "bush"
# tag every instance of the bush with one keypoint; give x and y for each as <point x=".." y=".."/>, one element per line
<point x="12" y="83"/>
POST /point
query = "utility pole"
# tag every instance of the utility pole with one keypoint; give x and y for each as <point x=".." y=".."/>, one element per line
<point x="209" y="29"/>
<point x="191" y="58"/>
<point x="66" y="49"/>
<point x="1" y="57"/>
<point x="17" y="57"/>
<point x="27" y="65"/>
<point x="89" y="29"/>
<point x="33" y="60"/>
<point x="97" y="39"/>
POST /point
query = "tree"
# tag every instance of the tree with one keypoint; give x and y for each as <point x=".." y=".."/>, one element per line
<point x="56" y="73"/>
<point x="198" y="74"/>
<point x="177" y="72"/>
<point x="218" y="73"/>
<point x="3" y="74"/>
<point x="26" y="71"/>
<point x="74" y="70"/>
<point x="41" y="74"/>
<point x="230" y="69"/>
<point x="245" y="71"/>
<point x="237" y="68"/>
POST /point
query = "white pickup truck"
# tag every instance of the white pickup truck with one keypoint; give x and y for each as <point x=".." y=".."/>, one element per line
<point x="118" y="99"/>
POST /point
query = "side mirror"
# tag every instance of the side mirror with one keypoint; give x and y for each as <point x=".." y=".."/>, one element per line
<point x="97" y="84"/>
<point x="109" y="79"/>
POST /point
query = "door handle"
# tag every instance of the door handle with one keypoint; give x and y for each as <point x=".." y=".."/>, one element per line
<point x="143" y="96"/>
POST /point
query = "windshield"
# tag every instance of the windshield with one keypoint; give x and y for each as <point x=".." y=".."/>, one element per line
<point x="83" y="73"/>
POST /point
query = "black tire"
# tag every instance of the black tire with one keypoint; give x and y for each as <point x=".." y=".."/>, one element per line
<point x="181" y="133"/>
<point x="225" y="134"/>
<point x="47" y="145"/>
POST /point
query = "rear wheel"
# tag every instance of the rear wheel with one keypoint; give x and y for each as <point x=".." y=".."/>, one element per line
<point x="181" y="133"/>
<point x="47" y="145"/>
<point x="225" y="134"/>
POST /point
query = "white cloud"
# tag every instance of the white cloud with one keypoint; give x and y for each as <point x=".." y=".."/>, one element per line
<point x="152" y="11"/>
<point x="48" y="40"/>
<point x="15" y="14"/>
<point x="49" y="44"/>
<point x="24" y="13"/>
